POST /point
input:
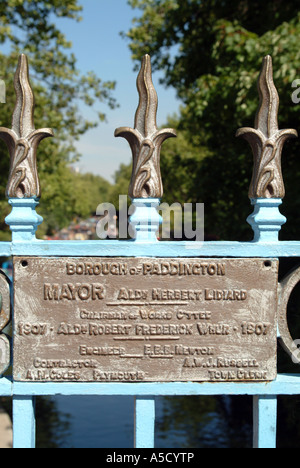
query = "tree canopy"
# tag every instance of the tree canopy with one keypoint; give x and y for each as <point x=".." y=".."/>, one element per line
<point x="211" y="52"/>
<point x="61" y="90"/>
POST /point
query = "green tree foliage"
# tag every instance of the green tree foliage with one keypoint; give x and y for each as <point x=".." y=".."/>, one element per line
<point x="30" y="27"/>
<point x="211" y="53"/>
<point x="69" y="195"/>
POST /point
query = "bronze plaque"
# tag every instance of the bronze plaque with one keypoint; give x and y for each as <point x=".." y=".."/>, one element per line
<point x="141" y="319"/>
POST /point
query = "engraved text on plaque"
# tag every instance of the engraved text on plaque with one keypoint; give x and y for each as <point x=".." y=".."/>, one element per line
<point x="139" y="319"/>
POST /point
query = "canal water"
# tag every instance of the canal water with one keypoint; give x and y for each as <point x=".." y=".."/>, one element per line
<point x="181" y="422"/>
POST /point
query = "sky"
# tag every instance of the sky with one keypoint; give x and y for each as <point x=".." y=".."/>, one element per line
<point x="98" y="47"/>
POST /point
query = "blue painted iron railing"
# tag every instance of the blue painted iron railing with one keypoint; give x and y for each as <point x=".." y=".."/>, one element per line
<point x="266" y="222"/>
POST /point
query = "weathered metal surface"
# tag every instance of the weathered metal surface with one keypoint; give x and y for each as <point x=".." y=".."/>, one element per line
<point x="266" y="140"/>
<point x="139" y="319"/>
<point x="145" y="139"/>
<point x="5" y="316"/>
<point x="286" y="287"/>
<point x="23" y="139"/>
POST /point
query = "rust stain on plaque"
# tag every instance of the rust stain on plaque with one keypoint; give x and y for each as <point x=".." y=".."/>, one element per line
<point x="140" y="319"/>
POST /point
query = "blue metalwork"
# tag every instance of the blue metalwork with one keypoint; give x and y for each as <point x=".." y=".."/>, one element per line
<point x="266" y="226"/>
<point x="23" y="219"/>
<point x="144" y="433"/>
<point x="24" y="421"/>
<point x="145" y="220"/>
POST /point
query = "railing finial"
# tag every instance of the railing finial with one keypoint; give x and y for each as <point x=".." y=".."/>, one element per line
<point x="23" y="139"/>
<point x="267" y="140"/>
<point x="145" y="139"/>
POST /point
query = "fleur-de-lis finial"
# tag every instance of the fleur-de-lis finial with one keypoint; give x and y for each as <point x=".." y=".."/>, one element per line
<point x="23" y="139"/>
<point x="145" y="139"/>
<point x="267" y="140"/>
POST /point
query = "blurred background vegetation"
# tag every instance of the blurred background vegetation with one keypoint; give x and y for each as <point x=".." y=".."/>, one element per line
<point x="211" y="52"/>
<point x="60" y="89"/>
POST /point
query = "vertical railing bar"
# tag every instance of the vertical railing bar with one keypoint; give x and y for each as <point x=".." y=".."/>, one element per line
<point x="145" y="141"/>
<point x="264" y="421"/>
<point x="144" y="422"/>
<point x="23" y="194"/>
<point x="24" y="424"/>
